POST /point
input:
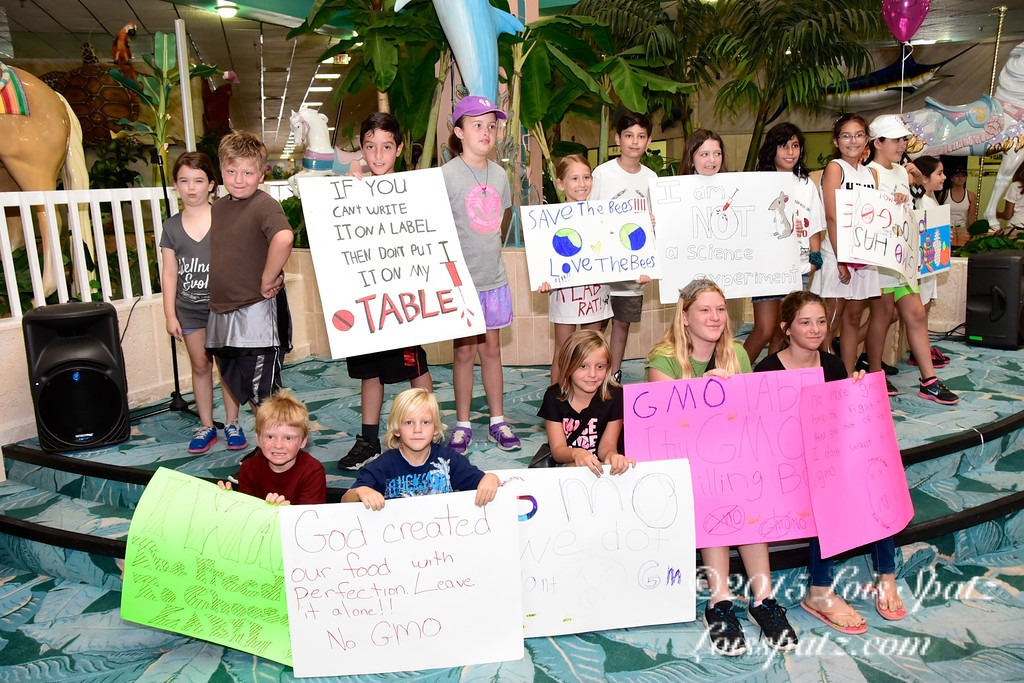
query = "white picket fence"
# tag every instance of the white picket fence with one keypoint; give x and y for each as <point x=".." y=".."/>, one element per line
<point x="136" y="211"/>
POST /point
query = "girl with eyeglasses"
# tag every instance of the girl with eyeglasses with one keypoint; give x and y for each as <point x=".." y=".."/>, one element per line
<point x="846" y="288"/>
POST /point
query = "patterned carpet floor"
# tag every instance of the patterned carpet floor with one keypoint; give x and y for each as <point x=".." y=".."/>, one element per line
<point x="963" y="590"/>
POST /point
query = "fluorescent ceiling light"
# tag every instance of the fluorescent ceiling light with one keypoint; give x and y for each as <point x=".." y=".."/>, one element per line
<point x="327" y="77"/>
<point x="313" y="104"/>
<point x="319" y="88"/>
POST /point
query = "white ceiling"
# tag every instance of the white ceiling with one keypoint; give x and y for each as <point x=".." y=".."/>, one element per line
<point x="275" y="72"/>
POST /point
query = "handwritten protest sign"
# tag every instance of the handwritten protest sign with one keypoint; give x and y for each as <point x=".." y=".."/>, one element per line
<point x="872" y="228"/>
<point x="388" y="262"/>
<point x="609" y="552"/>
<point x="733" y="228"/>
<point x="207" y="563"/>
<point x="423" y="583"/>
<point x="588" y="243"/>
<point x="743" y="438"/>
<point x="858" y="485"/>
<point x="935" y="239"/>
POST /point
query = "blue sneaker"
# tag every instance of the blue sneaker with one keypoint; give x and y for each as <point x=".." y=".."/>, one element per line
<point x="202" y="438"/>
<point x="236" y="437"/>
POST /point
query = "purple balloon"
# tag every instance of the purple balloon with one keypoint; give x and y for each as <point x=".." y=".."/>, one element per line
<point x="904" y="17"/>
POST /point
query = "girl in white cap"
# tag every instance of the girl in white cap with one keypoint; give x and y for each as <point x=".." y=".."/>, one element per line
<point x="889" y="141"/>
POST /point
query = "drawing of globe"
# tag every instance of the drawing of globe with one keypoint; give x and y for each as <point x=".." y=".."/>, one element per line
<point x="632" y="236"/>
<point x="567" y="242"/>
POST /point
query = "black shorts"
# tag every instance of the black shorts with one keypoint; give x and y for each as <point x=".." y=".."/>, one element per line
<point x="252" y="377"/>
<point x="391" y="366"/>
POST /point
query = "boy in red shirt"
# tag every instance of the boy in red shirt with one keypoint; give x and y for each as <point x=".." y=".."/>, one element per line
<point x="279" y="471"/>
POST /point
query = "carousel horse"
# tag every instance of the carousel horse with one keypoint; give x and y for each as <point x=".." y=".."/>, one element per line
<point x="989" y="125"/>
<point x="40" y="137"/>
<point x="309" y="128"/>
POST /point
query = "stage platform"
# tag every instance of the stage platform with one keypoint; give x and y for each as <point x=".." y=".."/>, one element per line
<point x="66" y="517"/>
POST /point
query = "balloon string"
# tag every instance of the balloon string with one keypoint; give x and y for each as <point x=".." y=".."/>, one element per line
<point x="905" y="49"/>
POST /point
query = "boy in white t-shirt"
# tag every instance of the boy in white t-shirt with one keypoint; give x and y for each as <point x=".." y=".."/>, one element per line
<point x="625" y="176"/>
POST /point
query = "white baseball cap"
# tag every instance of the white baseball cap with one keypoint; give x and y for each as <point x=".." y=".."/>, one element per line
<point x="888" y="126"/>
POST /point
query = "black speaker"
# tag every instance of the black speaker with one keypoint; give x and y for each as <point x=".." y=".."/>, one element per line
<point x="995" y="299"/>
<point x="76" y="375"/>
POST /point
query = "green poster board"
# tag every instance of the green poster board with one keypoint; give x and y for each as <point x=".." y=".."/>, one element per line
<point x="207" y="563"/>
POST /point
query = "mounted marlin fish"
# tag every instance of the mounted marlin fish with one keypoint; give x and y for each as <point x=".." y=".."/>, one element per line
<point x="880" y="89"/>
<point x="472" y="28"/>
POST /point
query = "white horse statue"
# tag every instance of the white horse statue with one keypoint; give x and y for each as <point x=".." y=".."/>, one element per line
<point x="309" y="128"/>
<point x="988" y="125"/>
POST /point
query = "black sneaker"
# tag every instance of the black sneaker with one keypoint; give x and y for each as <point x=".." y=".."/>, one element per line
<point x="935" y="390"/>
<point x="724" y="629"/>
<point x="891" y="389"/>
<point x="617" y="376"/>
<point x="362" y="452"/>
<point x="862" y="364"/>
<point x="775" y="628"/>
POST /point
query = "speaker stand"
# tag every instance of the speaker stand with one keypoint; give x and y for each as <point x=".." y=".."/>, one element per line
<point x="177" y="404"/>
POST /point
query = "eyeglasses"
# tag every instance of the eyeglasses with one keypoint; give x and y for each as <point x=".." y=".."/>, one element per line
<point x="846" y="137"/>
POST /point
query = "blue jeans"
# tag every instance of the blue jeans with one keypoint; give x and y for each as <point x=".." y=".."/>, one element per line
<point x="883" y="560"/>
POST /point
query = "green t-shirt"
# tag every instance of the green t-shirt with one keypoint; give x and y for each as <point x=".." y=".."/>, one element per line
<point x="665" y="361"/>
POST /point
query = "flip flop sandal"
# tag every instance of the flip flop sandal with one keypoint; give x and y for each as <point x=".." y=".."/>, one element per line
<point x="849" y="630"/>
<point x="887" y="614"/>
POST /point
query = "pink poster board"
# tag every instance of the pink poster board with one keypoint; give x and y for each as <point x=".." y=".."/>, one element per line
<point x="744" y="440"/>
<point x="858" y="487"/>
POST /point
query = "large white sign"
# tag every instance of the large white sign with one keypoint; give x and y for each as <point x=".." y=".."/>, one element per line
<point x="872" y="228"/>
<point x="426" y="582"/>
<point x="589" y="243"/>
<point x="608" y="552"/>
<point x="388" y="261"/>
<point x="733" y="228"/>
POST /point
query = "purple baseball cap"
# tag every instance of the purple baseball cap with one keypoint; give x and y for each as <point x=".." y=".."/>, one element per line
<point x="474" y="105"/>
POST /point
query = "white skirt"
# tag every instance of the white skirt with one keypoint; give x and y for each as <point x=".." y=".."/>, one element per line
<point x="929" y="288"/>
<point x="579" y="305"/>
<point x="863" y="281"/>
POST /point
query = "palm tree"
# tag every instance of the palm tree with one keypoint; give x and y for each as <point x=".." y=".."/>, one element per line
<point x="787" y="52"/>
<point x="669" y="36"/>
<point x="397" y="54"/>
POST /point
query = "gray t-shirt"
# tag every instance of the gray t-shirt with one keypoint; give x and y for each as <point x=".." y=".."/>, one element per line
<point x="479" y="198"/>
<point x="192" y="298"/>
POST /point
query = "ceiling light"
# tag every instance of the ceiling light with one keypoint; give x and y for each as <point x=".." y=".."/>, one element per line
<point x="226" y="8"/>
<point x="327" y="77"/>
<point x="319" y="88"/>
<point x="312" y="105"/>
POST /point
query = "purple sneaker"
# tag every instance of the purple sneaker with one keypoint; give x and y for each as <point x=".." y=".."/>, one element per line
<point x="460" y="440"/>
<point x="503" y="435"/>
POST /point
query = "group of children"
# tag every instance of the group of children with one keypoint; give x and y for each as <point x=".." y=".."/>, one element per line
<point x="582" y="409"/>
